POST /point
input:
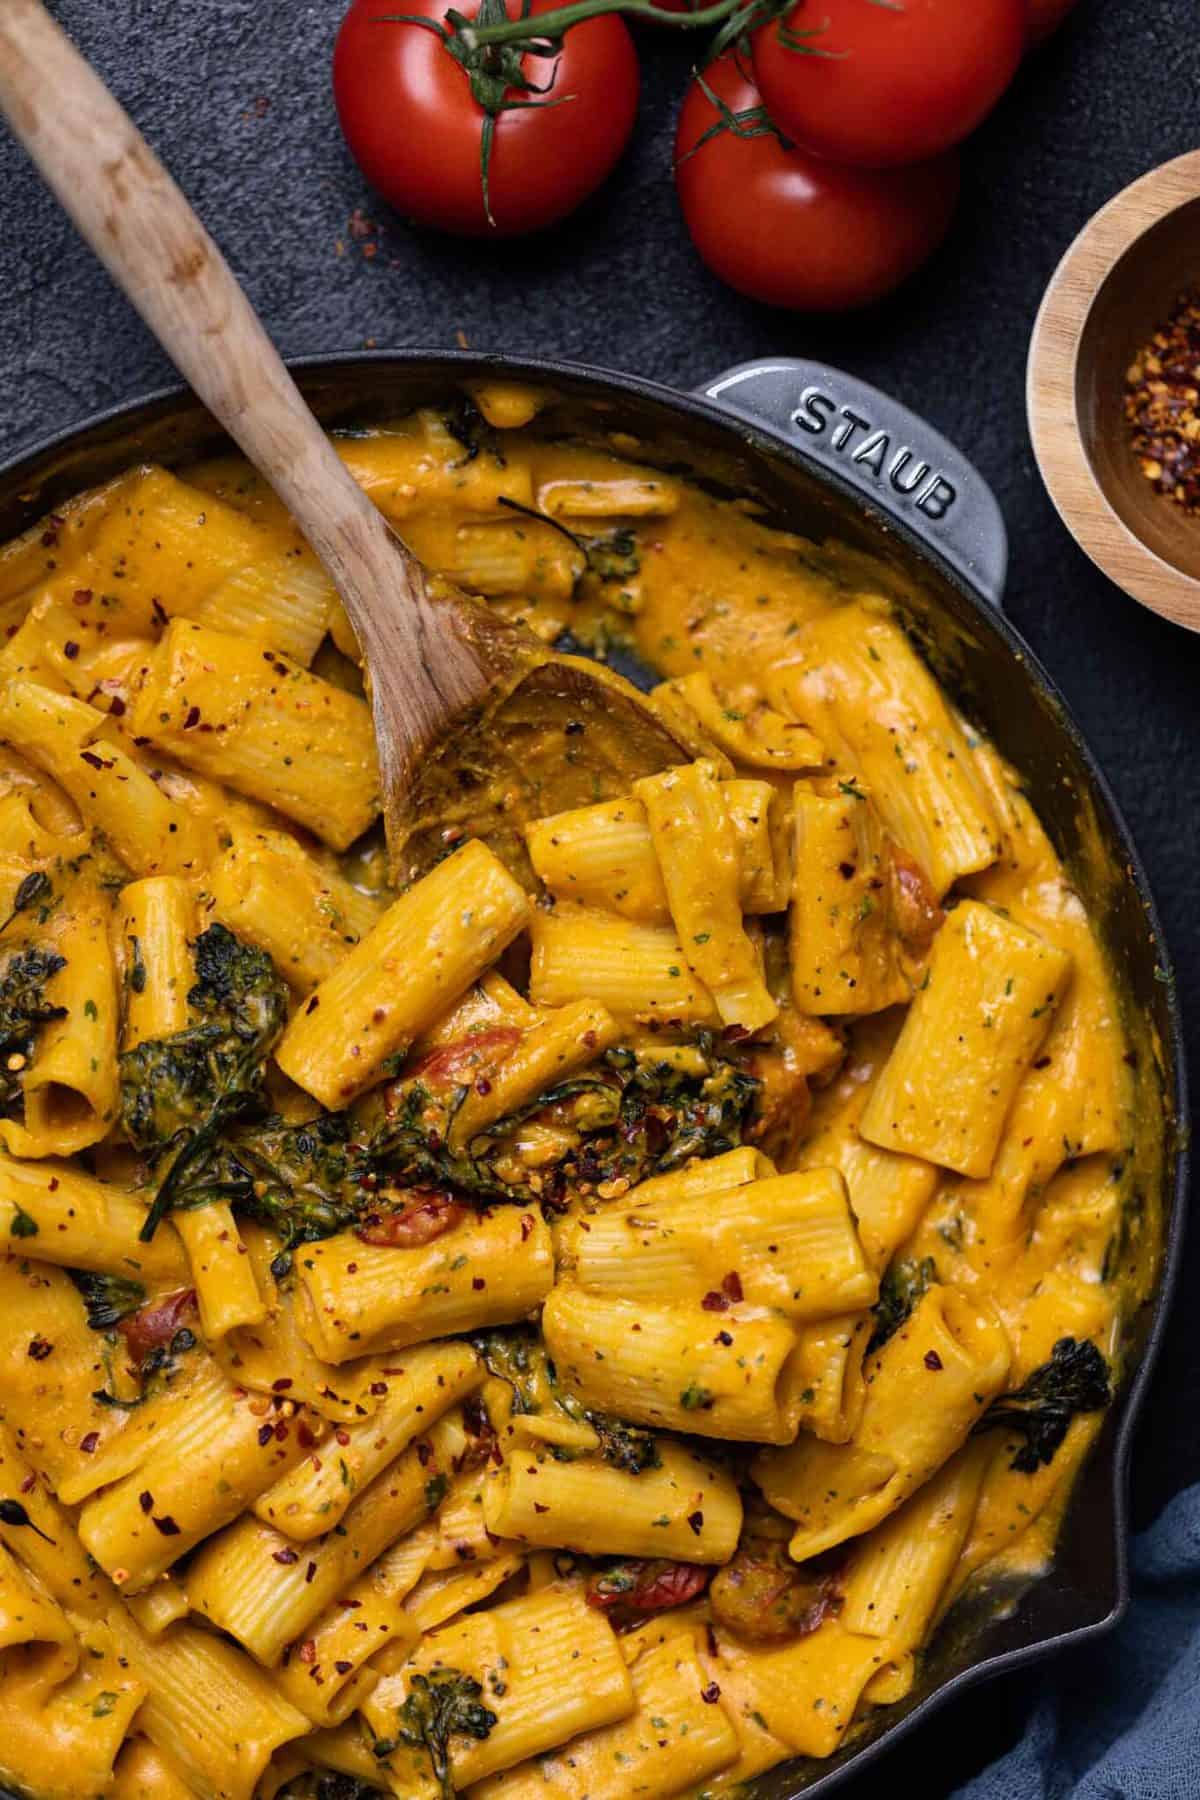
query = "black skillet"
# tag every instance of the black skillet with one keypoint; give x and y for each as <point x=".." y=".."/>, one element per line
<point x="831" y="457"/>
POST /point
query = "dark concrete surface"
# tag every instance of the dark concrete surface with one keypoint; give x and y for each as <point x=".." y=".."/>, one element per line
<point x="235" y="96"/>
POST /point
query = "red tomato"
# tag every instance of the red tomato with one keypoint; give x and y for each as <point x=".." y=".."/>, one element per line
<point x="882" y="82"/>
<point x="1045" y="17"/>
<point x="794" y="231"/>
<point x="416" y="130"/>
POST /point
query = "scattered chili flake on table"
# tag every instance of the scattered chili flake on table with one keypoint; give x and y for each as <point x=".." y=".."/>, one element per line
<point x="1162" y="405"/>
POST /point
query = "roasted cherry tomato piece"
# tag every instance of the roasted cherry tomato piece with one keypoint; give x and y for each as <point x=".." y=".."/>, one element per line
<point x="763" y="1597"/>
<point x="158" y="1323"/>
<point x="785" y="227"/>
<point x="629" y="1591"/>
<point x="415" y="1217"/>
<point x="451" y="1065"/>
<point x="879" y="83"/>
<point x="416" y="130"/>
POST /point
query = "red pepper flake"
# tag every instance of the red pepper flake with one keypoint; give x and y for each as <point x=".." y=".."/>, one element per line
<point x="29" y="1483"/>
<point x="39" y="1349"/>
<point x="192" y="718"/>
<point x="715" y="1302"/>
<point x="146" y="1500"/>
<point x="379" y="1387"/>
<point x="281" y="1430"/>
<point x="286" y="1557"/>
<point x="424" y="1453"/>
<point x="308" y="1651"/>
<point x="343" y="1437"/>
<point x="933" y="1360"/>
<point x="710" y="1694"/>
<point x="527" y="1224"/>
<point x="265" y="1434"/>
<point x="1162" y="405"/>
<point x="53" y="1187"/>
<point x="310" y="1572"/>
<point x="731" y="1287"/>
<point x="70" y="650"/>
<point x="82" y="596"/>
<point x="478" y="1283"/>
<point x="306" y="1435"/>
<point x="343" y="1667"/>
<point x="116" y="706"/>
<point x="88" y="1444"/>
<point x="167" y="1526"/>
<point x="93" y="761"/>
<point x="724" y="1337"/>
<point x="696" y="1521"/>
<point x="282" y="1385"/>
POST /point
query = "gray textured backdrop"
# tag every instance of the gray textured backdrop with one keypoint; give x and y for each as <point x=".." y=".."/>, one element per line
<point x="235" y="96"/>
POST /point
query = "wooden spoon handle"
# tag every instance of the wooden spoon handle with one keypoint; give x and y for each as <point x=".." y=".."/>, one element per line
<point x="140" y="225"/>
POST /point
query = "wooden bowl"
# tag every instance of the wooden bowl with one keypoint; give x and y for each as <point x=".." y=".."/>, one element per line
<point x="1112" y="290"/>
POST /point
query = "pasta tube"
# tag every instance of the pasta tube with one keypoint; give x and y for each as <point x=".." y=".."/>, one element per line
<point x="604" y="856"/>
<point x="381" y="996"/>
<point x="715" y="1375"/>
<point x="67" y="1217"/>
<point x="845" y="954"/>
<point x="359" y="1298"/>
<point x="549" y="1667"/>
<point x="678" y="1736"/>
<point x="158" y="923"/>
<point x="926" y="1388"/>
<point x="875" y="705"/>
<point x="314" y="1496"/>
<point x="682" y="1508"/>
<point x="788" y="1243"/>
<point x="220" y="1453"/>
<point x="970" y="1035"/>
<point x="888" y="1192"/>
<point x="266" y="1591"/>
<point x="226" y="707"/>
<point x="636" y="971"/>
<point x="697" y="853"/>
<point x="208" y="1710"/>
<point x="70" y="1086"/>
<point x="114" y="793"/>
<point x="222" y="1272"/>
<point x="273" y="894"/>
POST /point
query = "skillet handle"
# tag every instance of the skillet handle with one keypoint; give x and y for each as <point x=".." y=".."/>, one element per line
<point x="902" y="466"/>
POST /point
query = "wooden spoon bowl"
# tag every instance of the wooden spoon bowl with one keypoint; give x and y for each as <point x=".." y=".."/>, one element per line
<point x="1115" y="286"/>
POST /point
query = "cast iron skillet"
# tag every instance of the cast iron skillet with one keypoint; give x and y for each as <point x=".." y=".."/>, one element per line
<point x="831" y="457"/>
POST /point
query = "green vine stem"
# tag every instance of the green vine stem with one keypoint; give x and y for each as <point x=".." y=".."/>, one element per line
<point x="551" y="26"/>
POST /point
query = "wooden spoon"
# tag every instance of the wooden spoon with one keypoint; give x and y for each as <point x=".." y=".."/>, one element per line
<point x="448" y="678"/>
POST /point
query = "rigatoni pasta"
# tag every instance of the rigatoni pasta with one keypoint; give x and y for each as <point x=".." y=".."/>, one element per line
<point x="576" y="1325"/>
